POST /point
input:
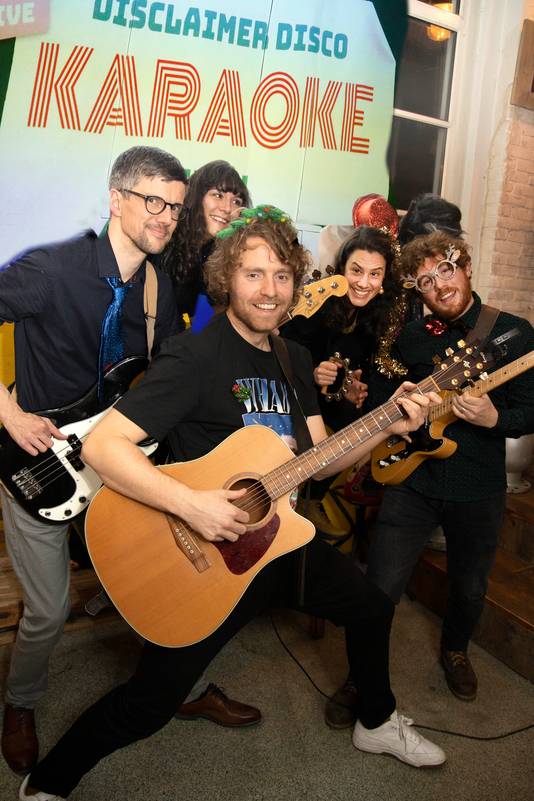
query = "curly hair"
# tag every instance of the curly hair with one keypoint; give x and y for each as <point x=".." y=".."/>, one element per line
<point x="373" y="317"/>
<point x="183" y="255"/>
<point x="432" y="246"/>
<point x="282" y="237"/>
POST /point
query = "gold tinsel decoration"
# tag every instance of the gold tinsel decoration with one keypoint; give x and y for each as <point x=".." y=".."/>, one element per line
<point x="384" y="361"/>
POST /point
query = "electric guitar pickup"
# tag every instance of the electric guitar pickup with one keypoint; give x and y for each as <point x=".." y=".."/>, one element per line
<point x="395" y="459"/>
<point x="56" y="485"/>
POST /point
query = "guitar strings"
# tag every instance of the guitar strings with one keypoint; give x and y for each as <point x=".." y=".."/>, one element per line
<point x="57" y="469"/>
<point x="257" y="495"/>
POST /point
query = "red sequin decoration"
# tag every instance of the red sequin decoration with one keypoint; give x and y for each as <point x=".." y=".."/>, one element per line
<point x="436" y="327"/>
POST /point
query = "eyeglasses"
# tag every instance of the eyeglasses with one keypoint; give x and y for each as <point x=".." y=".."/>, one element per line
<point x="426" y="281"/>
<point x="155" y="204"/>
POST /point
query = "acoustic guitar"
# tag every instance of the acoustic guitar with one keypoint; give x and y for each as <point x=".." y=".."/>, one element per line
<point x="394" y="459"/>
<point x="175" y="588"/>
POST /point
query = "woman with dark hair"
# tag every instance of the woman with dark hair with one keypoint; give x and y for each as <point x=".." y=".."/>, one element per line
<point x="350" y="337"/>
<point x="360" y="326"/>
<point x="215" y="196"/>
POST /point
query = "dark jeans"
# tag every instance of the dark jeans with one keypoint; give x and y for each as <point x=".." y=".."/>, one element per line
<point x="335" y="589"/>
<point x="405" y="521"/>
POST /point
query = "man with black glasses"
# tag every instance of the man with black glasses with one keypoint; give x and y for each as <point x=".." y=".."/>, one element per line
<point x="78" y="307"/>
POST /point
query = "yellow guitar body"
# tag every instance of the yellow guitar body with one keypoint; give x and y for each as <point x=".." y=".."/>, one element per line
<point x="397" y="471"/>
<point x="139" y="553"/>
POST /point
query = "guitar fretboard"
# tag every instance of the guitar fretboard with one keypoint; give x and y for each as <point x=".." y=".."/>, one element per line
<point x="289" y="475"/>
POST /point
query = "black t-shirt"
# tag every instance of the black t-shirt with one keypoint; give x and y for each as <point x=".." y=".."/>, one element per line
<point x="203" y="387"/>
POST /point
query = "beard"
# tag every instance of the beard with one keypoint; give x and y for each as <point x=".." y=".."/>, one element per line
<point x="450" y="307"/>
<point x="150" y="244"/>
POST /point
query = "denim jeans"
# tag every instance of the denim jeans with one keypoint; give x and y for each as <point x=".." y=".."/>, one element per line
<point x="405" y="522"/>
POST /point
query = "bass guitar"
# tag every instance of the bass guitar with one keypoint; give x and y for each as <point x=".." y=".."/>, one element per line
<point x="312" y="296"/>
<point x="395" y="459"/>
<point x="56" y="485"/>
<point x="175" y="588"/>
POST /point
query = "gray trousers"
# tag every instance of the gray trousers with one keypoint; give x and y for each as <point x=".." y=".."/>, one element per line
<point x="40" y="557"/>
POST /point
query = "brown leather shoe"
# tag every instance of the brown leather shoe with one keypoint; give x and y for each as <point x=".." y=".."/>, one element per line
<point x="19" y="739"/>
<point x="460" y="675"/>
<point x="340" y="710"/>
<point x="214" y="705"/>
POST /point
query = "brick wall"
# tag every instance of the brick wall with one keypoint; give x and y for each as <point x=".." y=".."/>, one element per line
<point x="509" y="218"/>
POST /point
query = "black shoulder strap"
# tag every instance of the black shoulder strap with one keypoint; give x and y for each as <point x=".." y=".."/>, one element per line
<point x="302" y="432"/>
<point x="304" y="442"/>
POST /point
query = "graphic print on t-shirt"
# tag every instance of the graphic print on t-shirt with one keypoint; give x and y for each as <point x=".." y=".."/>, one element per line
<point x="267" y="404"/>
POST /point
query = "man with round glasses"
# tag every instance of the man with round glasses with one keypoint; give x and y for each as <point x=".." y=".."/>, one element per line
<point x="465" y="494"/>
<point x="444" y="270"/>
<point x="59" y="296"/>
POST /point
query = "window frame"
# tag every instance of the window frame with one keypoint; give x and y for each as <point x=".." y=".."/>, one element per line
<point x="456" y="23"/>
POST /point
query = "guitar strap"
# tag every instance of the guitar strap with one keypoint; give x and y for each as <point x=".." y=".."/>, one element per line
<point x="304" y="442"/>
<point x="486" y="320"/>
<point x="150" y="305"/>
<point x="302" y="432"/>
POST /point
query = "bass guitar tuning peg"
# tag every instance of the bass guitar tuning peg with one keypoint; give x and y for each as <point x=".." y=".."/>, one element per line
<point x="436" y="359"/>
<point x="461" y="343"/>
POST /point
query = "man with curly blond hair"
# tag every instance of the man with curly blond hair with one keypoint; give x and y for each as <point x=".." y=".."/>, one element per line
<point x="464" y="494"/>
<point x="200" y="389"/>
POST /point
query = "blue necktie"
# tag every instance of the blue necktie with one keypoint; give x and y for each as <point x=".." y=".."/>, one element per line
<point x="111" y="344"/>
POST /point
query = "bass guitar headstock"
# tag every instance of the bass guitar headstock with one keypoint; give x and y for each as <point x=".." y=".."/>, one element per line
<point x="314" y="295"/>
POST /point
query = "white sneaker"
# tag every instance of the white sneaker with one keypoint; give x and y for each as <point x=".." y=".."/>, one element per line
<point x="397" y="738"/>
<point x="40" y="796"/>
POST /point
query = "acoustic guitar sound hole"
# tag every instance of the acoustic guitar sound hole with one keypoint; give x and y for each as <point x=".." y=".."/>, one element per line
<point x="256" y="502"/>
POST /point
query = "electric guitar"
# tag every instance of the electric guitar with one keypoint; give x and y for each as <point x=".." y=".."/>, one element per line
<point x="175" y="588"/>
<point x="56" y="485"/>
<point x="394" y="459"/>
